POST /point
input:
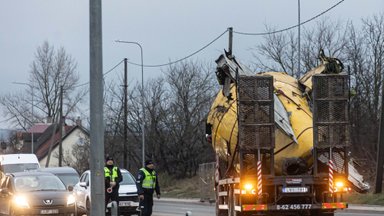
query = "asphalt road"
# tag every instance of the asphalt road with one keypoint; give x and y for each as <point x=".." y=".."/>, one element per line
<point x="169" y="208"/>
<point x="174" y="207"/>
<point x="180" y="208"/>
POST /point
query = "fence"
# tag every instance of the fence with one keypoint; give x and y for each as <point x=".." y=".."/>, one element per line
<point x="207" y="181"/>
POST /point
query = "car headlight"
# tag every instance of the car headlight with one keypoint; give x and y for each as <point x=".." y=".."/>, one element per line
<point x="71" y="200"/>
<point x="20" y="201"/>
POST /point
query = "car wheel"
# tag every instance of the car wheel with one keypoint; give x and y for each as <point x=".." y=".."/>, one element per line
<point x="79" y="211"/>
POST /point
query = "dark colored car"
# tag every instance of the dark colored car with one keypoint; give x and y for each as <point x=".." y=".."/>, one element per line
<point x="68" y="175"/>
<point x="35" y="193"/>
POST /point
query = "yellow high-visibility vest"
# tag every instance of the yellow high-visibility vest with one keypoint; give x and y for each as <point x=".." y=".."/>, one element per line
<point x="149" y="182"/>
<point x="107" y="173"/>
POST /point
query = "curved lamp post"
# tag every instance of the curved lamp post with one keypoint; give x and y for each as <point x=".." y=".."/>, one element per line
<point x="142" y="98"/>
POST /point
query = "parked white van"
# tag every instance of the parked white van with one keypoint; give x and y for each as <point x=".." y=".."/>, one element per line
<point x="10" y="163"/>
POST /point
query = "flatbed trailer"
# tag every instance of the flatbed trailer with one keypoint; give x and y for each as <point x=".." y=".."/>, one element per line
<point x="255" y="189"/>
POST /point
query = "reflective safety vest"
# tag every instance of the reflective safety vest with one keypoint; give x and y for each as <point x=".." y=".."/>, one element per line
<point x="149" y="182"/>
<point x="107" y="173"/>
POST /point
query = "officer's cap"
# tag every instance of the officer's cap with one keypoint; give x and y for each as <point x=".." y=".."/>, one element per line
<point x="147" y="162"/>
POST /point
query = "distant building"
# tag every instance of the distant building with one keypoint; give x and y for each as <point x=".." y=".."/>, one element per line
<point x="47" y="139"/>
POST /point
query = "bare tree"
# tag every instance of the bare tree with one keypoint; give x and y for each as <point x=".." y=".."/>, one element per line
<point x="79" y="157"/>
<point x="279" y="51"/>
<point x="51" y="71"/>
<point x="365" y="56"/>
<point x="115" y="117"/>
<point x="157" y="100"/>
<point x="191" y="86"/>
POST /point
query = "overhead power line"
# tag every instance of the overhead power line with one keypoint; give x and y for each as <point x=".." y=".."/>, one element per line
<point x="292" y="27"/>
<point x="109" y="71"/>
<point x="242" y="33"/>
<point x="218" y="37"/>
<point x="188" y="56"/>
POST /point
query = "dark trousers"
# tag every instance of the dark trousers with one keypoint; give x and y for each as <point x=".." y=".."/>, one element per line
<point x="146" y="204"/>
<point x="114" y="196"/>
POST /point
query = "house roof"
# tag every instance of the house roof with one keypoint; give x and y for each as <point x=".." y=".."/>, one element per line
<point x="39" y="128"/>
<point x="45" y="140"/>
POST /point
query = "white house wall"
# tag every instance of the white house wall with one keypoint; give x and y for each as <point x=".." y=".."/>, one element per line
<point x="67" y="144"/>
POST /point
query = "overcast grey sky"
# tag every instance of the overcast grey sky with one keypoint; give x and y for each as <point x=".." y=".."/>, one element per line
<point x="167" y="30"/>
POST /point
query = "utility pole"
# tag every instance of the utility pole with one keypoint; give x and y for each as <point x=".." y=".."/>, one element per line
<point x="61" y="127"/>
<point x="380" y="148"/>
<point x="33" y="122"/>
<point x="126" y="114"/>
<point x="96" y="109"/>
<point x="142" y="97"/>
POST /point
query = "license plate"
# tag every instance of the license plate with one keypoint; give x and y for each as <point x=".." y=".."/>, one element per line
<point x="295" y="190"/>
<point x="125" y="203"/>
<point x="294" y="206"/>
<point x="49" y="211"/>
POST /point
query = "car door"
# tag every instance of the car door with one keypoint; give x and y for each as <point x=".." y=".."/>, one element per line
<point x="80" y="191"/>
<point x="85" y="189"/>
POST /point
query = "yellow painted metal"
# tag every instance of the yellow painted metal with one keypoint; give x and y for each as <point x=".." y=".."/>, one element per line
<point x="223" y="118"/>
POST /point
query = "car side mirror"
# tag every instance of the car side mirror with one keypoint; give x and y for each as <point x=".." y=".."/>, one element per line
<point x="83" y="184"/>
<point x="70" y="188"/>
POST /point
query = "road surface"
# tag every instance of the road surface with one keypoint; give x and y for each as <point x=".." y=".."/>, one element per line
<point x="170" y="208"/>
<point x="177" y="208"/>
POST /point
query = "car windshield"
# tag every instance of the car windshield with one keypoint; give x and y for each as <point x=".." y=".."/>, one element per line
<point x="68" y="179"/>
<point x="11" y="168"/>
<point x="38" y="183"/>
<point x="127" y="179"/>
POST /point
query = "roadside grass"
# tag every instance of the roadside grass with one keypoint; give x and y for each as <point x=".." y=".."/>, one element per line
<point x="183" y="188"/>
<point x="368" y="198"/>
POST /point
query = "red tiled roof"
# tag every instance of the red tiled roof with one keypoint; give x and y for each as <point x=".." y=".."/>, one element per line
<point x="38" y="128"/>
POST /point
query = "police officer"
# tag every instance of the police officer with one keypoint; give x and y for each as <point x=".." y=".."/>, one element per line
<point x="147" y="183"/>
<point x="113" y="178"/>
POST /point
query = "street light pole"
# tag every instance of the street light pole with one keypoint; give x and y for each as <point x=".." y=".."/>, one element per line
<point x="33" y="117"/>
<point x="142" y="97"/>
